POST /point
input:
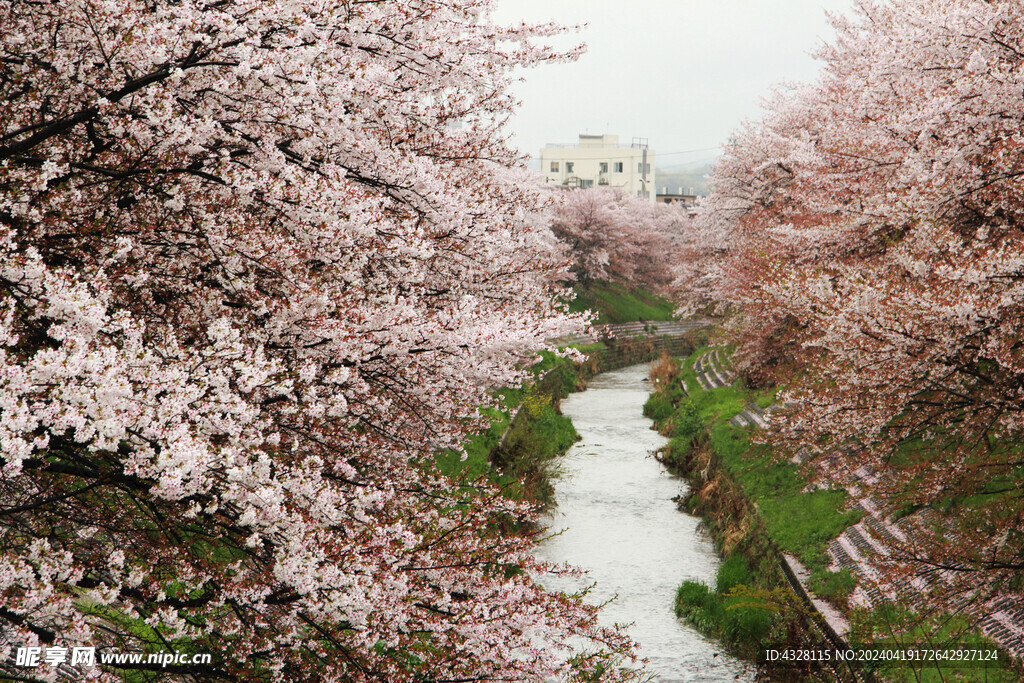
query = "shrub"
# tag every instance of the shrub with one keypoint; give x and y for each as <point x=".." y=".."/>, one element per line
<point x="732" y="573"/>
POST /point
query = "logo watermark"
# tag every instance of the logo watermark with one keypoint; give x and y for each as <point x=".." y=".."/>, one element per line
<point x="87" y="656"/>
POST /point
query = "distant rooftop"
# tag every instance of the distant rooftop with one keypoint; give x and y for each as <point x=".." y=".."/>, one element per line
<point x="598" y="141"/>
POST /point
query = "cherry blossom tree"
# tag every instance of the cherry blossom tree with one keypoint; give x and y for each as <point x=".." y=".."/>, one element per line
<point x="260" y="261"/>
<point x="875" y="228"/>
<point x="610" y="235"/>
<point x="702" y="249"/>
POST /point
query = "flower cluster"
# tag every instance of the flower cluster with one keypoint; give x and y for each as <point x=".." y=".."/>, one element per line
<point x="875" y="222"/>
<point x="258" y="262"/>
<point x="614" y="236"/>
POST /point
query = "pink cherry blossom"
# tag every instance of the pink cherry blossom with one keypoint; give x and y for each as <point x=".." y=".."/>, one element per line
<point x="258" y="262"/>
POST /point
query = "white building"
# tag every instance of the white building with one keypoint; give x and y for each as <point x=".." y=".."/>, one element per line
<point x="601" y="160"/>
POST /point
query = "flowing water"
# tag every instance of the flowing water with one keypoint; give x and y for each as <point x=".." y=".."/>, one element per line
<point x="615" y="504"/>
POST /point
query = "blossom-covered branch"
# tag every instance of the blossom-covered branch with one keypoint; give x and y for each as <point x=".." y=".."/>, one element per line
<point x="252" y="275"/>
<point x="875" y="228"/>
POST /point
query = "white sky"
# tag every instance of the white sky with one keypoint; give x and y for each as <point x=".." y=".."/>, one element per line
<point x="682" y="73"/>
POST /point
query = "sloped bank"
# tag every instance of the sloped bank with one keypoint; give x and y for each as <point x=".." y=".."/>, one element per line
<point x="768" y="521"/>
<point x="757" y="603"/>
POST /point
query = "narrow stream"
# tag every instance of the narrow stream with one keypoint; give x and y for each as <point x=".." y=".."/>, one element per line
<point x="614" y="502"/>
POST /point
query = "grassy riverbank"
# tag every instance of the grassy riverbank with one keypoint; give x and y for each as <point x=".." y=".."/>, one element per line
<point x="756" y="505"/>
<point x="617" y="303"/>
<point x="751" y="606"/>
<point x="527" y="432"/>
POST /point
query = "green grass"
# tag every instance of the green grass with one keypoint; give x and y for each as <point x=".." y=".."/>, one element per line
<point x="515" y="453"/>
<point x="797" y="519"/>
<point x="558" y="376"/>
<point x="890" y="626"/>
<point x="615" y="303"/>
<point x="725" y="612"/>
<point x="834" y="586"/>
<point x="478" y="448"/>
<point x="537" y="436"/>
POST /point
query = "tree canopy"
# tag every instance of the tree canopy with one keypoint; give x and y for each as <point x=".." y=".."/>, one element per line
<point x="874" y="225"/>
<point x="258" y="261"/>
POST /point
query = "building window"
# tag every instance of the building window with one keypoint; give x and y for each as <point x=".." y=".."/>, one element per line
<point x="568" y="166"/>
<point x="586" y="183"/>
<point x="554" y="167"/>
<point x="604" y="167"/>
<point x="618" y="167"/>
<point x="640" y="168"/>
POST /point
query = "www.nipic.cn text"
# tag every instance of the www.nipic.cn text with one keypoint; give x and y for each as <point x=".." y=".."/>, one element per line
<point x="86" y="656"/>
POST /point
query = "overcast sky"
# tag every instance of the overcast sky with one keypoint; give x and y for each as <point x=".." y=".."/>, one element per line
<point x="682" y="73"/>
